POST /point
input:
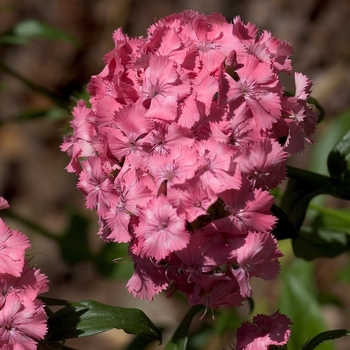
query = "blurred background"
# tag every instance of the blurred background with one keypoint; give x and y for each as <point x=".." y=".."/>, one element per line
<point x="43" y="196"/>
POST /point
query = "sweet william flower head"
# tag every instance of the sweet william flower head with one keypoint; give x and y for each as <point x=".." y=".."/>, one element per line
<point x="189" y="128"/>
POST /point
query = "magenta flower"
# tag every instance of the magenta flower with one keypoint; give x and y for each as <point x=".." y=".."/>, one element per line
<point x="218" y="172"/>
<point x="189" y="130"/>
<point x="264" y="163"/>
<point x="21" y="324"/>
<point x="191" y="199"/>
<point x="148" y="279"/>
<point x="165" y="137"/>
<point x="257" y="88"/>
<point x="12" y="246"/>
<point x="213" y="39"/>
<point x="248" y="210"/>
<point x="263" y="332"/>
<point x="174" y="168"/>
<point x="300" y="118"/>
<point x="27" y="287"/>
<point x="216" y="290"/>
<point x="131" y="199"/>
<point x="258" y="257"/>
<point x="162" y="88"/>
<point x="22" y="315"/>
<point x="95" y="182"/>
<point x="3" y="203"/>
<point x="80" y="143"/>
<point x="161" y="231"/>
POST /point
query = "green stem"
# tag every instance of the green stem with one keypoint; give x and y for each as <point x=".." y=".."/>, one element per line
<point x="180" y="337"/>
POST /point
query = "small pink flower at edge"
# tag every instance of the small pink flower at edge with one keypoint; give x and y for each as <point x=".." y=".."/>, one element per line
<point x="263" y="332"/>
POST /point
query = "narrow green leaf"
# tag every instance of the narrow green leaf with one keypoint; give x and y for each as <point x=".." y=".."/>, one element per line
<point x="338" y="163"/>
<point x="31" y="29"/>
<point x="180" y="337"/>
<point x="93" y="318"/>
<point x="339" y="158"/>
<point x="331" y="132"/>
<point x="11" y="39"/>
<point x="325" y="336"/>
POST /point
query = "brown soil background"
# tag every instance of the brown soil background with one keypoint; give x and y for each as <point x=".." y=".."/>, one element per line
<point x="32" y="175"/>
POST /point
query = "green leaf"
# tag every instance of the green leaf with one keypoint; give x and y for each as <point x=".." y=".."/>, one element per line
<point x="298" y="301"/>
<point x="89" y="317"/>
<point x="11" y="39"/>
<point x="284" y="228"/>
<point x="338" y="163"/>
<point x="302" y="187"/>
<point x="180" y="337"/>
<point x="32" y="29"/>
<point x="319" y="241"/>
<point x="329" y="134"/>
<point x="58" y="302"/>
<point x="139" y="343"/>
<point x="325" y="336"/>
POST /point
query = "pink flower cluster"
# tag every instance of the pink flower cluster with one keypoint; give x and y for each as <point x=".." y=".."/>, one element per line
<point x="22" y="315"/>
<point x="187" y="131"/>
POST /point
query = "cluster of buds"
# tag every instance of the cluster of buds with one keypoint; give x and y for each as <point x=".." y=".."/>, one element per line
<point x="22" y="315"/>
<point x="188" y="130"/>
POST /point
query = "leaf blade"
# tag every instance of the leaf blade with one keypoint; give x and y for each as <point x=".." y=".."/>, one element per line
<point x="325" y="336"/>
<point x="90" y="317"/>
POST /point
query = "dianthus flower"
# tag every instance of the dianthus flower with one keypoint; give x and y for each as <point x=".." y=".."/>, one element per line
<point x="188" y="130"/>
<point x="263" y="332"/>
<point x="22" y="315"/>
